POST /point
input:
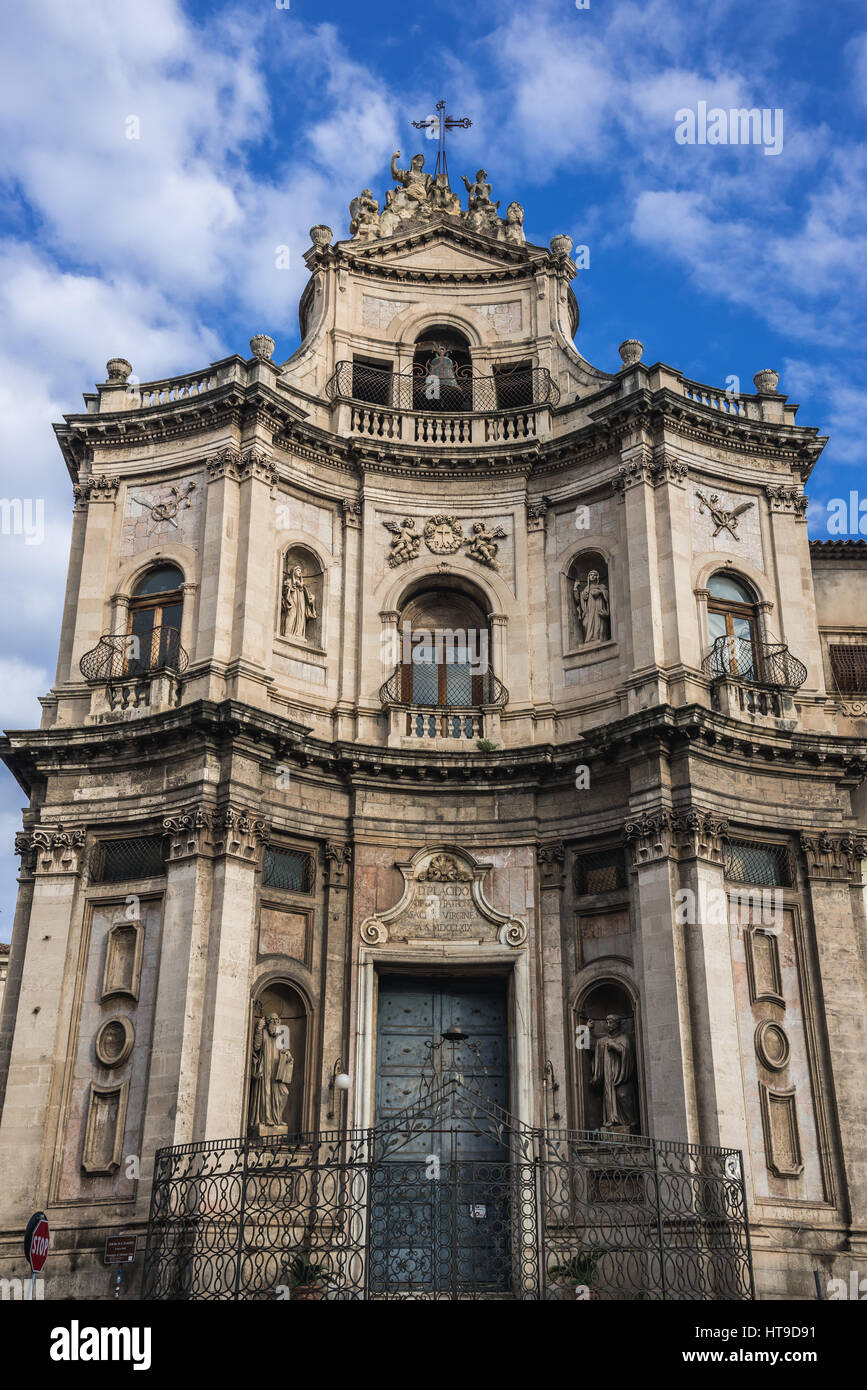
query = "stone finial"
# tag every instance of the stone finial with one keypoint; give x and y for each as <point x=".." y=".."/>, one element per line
<point x="561" y="244"/>
<point x="321" y="236"/>
<point x="765" y="381"/>
<point x="630" y="352"/>
<point x="262" y="347"/>
<point x="117" y="370"/>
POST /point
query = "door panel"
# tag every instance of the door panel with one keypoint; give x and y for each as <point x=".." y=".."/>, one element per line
<point x="441" y="1202"/>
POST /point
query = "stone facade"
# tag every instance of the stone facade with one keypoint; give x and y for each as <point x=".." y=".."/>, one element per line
<point x="317" y="824"/>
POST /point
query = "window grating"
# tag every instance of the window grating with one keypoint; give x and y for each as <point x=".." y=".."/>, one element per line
<point x="288" y="868"/>
<point x="747" y="861"/>
<point x="120" y="861"/>
<point x="849" y="668"/>
<point x="600" y="873"/>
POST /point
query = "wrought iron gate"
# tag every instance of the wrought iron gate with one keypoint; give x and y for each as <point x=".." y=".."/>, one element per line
<point x="362" y="1216"/>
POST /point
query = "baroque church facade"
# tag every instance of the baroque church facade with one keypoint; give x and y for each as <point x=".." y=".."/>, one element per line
<point x="438" y="690"/>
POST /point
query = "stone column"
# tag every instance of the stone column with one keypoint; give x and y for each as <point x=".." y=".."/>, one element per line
<point x="180" y="1001"/>
<point x="833" y="869"/>
<point x="537" y="614"/>
<point x="640" y="546"/>
<point x="334" y="994"/>
<point x="89" y="612"/>
<point x="555" y="1023"/>
<point x="238" y="841"/>
<point x="254" y="593"/>
<point x="662" y="967"/>
<point x="119" y="614"/>
<point x="349" y="634"/>
<point x="20" y="928"/>
<point x="31" y="1110"/>
<point x="712" y="1003"/>
<point x="701" y="597"/>
<point x="219" y="564"/>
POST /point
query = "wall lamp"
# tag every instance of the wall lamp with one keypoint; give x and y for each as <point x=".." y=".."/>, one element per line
<point x="340" y="1081"/>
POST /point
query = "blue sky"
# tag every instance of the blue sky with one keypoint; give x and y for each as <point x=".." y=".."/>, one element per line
<point x="255" y="122"/>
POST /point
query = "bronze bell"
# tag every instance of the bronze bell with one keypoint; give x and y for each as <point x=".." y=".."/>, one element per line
<point x="455" y="1034"/>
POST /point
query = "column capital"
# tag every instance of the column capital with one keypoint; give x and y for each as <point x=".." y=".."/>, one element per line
<point x="352" y="509"/>
<point x="833" y="858"/>
<point x="49" y="851"/>
<point x="338" y="860"/>
<point x="536" y="511"/>
<point x="550" y="858"/>
<point x="189" y="833"/>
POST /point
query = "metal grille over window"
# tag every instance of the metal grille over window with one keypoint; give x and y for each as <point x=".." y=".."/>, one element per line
<point x="849" y="667"/>
<point x="289" y="869"/>
<point x="600" y="873"/>
<point x="122" y="861"/>
<point x="769" y="866"/>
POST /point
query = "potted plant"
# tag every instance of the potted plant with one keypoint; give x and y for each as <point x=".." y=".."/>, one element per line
<point x="579" y="1271"/>
<point x="307" y="1279"/>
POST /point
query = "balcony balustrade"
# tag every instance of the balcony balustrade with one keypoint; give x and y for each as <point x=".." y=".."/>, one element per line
<point x="464" y="409"/>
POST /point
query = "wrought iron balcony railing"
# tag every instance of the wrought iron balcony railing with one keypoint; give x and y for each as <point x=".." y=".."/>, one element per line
<point x="124" y="656"/>
<point x="461" y="391"/>
<point x="766" y="664"/>
<point x="488" y="693"/>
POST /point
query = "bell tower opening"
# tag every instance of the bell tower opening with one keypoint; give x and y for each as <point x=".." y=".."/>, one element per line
<point x="442" y="370"/>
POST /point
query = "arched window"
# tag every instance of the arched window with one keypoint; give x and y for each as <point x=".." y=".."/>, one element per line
<point x="442" y="371"/>
<point x="155" y="611"/>
<point x="731" y="614"/>
<point x="444" y="651"/>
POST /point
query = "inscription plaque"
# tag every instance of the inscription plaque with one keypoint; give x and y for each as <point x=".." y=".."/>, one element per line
<point x="443" y="901"/>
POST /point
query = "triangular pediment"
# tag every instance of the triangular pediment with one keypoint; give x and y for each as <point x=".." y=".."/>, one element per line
<point x="443" y="245"/>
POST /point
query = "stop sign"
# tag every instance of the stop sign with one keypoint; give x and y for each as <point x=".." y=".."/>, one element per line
<point x="37" y="1239"/>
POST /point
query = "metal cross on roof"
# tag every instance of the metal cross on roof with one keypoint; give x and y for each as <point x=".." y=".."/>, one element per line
<point x="441" y="123"/>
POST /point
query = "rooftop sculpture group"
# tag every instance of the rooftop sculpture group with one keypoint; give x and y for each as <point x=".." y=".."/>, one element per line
<point x="417" y="197"/>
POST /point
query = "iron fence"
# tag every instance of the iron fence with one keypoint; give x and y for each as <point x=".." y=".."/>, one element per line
<point x="752" y="662"/>
<point x="123" y="656"/>
<point x="462" y="390"/>
<point x="465" y="1205"/>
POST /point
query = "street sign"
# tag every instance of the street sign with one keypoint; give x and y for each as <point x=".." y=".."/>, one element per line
<point x="37" y="1239"/>
<point x="119" y="1250"/>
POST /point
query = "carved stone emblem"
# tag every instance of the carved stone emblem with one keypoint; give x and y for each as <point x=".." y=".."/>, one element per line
<point x="167" y="510"/>
<point x="443" y="900"/>
<point x="722" y="520"/>
<point x="443" y="534"/>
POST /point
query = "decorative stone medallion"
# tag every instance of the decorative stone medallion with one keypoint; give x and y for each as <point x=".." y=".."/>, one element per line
<point x="443" y="900"/>
<point x="772" y="1045"/>
<point x="114" y="1041"/>
<point x="443" y="534"/>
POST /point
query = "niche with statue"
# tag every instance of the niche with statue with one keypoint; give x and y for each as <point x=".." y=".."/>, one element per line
<point x="301" y="586"/>
<point x="278" y="1051"/>
<point x="589" y="597"/>
<point x="608" y="1067"/>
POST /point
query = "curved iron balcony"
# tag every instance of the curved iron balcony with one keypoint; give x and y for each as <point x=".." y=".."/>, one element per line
<point x="493" y="695"/>
<point x="124" y="656"/>
<point x="464" y="392"/>
<point x="766" y="664"/>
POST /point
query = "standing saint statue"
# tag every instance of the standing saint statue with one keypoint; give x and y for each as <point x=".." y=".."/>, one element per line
<point x="272" y="1070"/>
<point x="591" y="601"/>
<point x="299" y="605"/>
<point x="613" y="1070"/>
